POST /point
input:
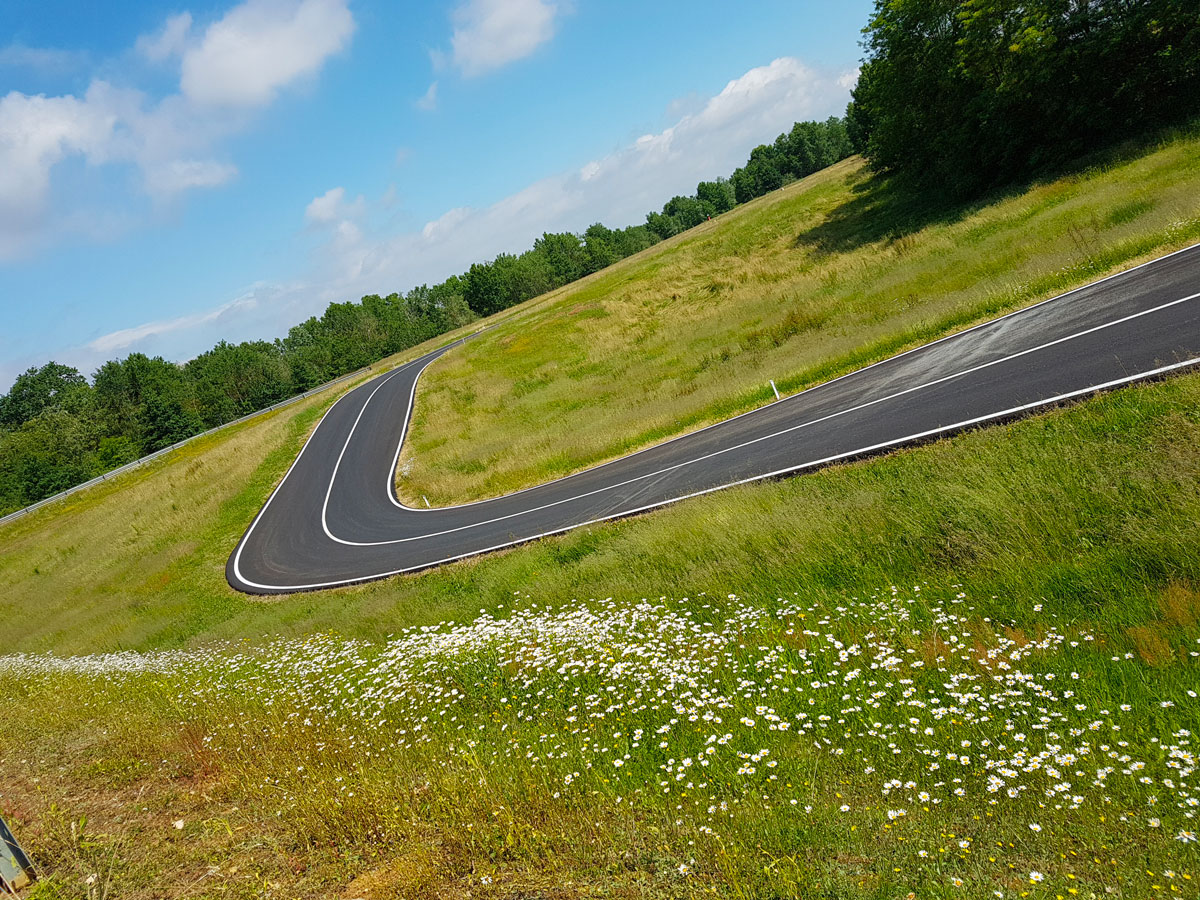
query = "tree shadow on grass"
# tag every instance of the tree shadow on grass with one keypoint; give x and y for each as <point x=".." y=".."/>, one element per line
<point x="886" y="207"/>
<point x="881" y="208"/>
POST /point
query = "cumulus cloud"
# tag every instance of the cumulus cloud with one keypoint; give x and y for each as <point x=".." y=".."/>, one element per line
<point x="168" y="41"/>
<point x="260" y="46"/>
<point x="240" y="61"/>
<point x="489" y="34"/>
<point x="428" y="100"/>
<point x="616" y="189"/>
<point x="36" y="132"/>
<point x="332" y="207"/>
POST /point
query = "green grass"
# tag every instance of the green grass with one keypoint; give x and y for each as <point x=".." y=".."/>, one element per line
<point x="1077" y="524"/>
<point x="1095" y="505"/>
<point x="833" y="272"/>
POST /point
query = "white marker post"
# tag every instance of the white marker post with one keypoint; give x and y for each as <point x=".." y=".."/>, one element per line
<point x="775" y="389"/>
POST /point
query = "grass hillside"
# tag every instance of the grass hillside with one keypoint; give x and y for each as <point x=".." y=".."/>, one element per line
<point x="832" y="272"/>
<point x="967" y="669"/>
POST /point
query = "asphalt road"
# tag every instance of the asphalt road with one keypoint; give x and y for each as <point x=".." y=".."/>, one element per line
<point x="335" y="519"/>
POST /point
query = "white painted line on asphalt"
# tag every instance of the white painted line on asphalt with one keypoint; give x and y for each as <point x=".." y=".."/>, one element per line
<point x="390" y="489"/>
<point x="729" y="449"/>
<point x="786" y="471"/>
<point x="237" y="555"/>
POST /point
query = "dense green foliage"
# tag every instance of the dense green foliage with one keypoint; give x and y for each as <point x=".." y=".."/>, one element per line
<point x="963" y="95"/>
<point x="57" y="430"/>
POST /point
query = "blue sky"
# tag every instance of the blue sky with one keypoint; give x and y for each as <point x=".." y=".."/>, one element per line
<point x="176" y="174"/>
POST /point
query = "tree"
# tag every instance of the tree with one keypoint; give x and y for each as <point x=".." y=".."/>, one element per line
<point x="717" y="194"/>
<point x="149" y="400"/>
<point x="662" y="226"/>
<point x="53" y="386"/>
<point x="688" y="212"/>
<point x="961" y="95"/>
<point x="565" y="255"/>
<point x="484" y="289"/>
<point x="47" y="454"/>
<point x="231" y="380"/>
<point x="598" y="247"/>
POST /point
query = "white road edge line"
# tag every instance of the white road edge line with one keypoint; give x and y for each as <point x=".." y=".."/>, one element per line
<point x="723" y="450"/>
<point x="390" y="487"/>
<point x="237" y="555"/>
<point x="808" y="465"/>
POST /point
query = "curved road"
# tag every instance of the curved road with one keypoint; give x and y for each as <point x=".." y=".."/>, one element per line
<point x="335" y="519"/>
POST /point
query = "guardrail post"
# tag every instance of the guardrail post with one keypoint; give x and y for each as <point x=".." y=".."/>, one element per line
<point x="16" y="871"/>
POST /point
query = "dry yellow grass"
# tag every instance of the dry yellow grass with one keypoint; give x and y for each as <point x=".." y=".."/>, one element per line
<point x="827" y="274"/>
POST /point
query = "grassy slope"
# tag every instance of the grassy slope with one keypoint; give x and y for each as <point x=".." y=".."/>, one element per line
<point x="137" y="564"/>
<point x="811" y="281"/>
<point x="1093" y="507"/>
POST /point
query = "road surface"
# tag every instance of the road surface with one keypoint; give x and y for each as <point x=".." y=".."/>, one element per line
<point x="335" y="519"/>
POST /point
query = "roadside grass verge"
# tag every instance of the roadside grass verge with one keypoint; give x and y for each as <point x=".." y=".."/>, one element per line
<point x="1094" y="506"/>
<point x="833" y="272"/>
<point x="910" y="739"/>
<point x="995" y="612"/>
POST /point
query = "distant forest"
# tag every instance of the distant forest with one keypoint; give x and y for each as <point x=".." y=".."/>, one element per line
<point x="58" y="429"/>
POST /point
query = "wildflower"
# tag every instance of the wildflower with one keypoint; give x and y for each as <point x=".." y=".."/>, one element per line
<point x="1036" y="877"/>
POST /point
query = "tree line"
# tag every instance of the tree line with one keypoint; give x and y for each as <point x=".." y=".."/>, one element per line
<point x="58" y="429"/>
<point x="960" y="96"/>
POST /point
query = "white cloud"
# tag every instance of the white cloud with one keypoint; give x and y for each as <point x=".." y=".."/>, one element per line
<point x="261" y="46"/>
<point x="240" y="61"/>
<point x="184" y="174"/>
<point x="36" y="132"/>
<point x="428" y="100"/>
<point x="169" y="41"/>
<point x="332" y="206"/>
<point x="44" y="59"/>
<point x="617" y="189"/>
<point x="489" y="34"/>
<point x="126" y="338"/>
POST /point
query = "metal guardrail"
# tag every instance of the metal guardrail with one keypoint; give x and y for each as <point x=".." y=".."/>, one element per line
<point x="16" y="871"/>
<point x="128" y="467"/>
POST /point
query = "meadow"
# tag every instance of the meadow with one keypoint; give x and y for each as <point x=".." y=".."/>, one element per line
<point x="915" y="741"/>
<point x="964" y="669"/>
<point x="831" y="273"/>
